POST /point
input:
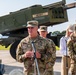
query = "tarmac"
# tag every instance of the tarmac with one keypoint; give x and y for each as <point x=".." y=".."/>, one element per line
<point x="11" y="64"/>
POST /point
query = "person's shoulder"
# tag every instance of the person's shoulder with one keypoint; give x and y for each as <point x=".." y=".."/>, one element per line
<point x="63" y="38"/>
<point x="50" y="40"/>
<point x="25" y="39"/>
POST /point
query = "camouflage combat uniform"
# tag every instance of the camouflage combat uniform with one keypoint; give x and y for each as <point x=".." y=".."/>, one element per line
<point x="53" y="44"/>
<point x="72" y="53"/>
<point x="45" y="48"/>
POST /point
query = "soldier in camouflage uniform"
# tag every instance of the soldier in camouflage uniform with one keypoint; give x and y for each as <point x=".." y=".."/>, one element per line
<point x="43" y="33"/>
<point x="45" y="52"/>
<point x="72" y="51"/>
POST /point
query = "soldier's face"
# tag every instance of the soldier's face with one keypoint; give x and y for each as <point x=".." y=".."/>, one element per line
<point x="32" y="31"/>
<point x="43" y="33"/>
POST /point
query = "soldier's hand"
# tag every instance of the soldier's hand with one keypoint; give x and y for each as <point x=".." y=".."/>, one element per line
<point x="38" y="55"/>
<point x="28" y="54"/>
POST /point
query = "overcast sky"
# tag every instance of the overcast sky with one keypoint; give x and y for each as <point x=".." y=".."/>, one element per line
<point x="7" y="6"/>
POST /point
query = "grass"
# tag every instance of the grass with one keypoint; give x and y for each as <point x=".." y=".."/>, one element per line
<point x="3" y="48"/>
<point x="57" y="48"/>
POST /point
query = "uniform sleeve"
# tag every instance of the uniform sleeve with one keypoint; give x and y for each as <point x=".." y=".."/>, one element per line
<point x="50" y="56"/>
<point x="19" y="53"/>
<point x="70" y="50"/>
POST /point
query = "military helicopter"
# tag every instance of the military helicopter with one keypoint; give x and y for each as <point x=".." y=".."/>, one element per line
<point x="14" y="24"/>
